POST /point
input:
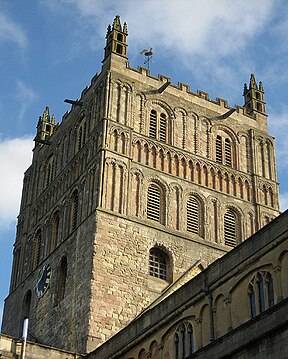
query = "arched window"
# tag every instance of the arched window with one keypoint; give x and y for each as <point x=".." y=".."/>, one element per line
<point x="177" y="346"/>
<point x="228" y="156"/>
<point x="25" y="310"/>
<point x="193" y="216"/>
<point x="155" y="205"/>
<point x="261" y="293"/>
<point x="74" y="210"/>
<point x="163" y="128"/>
<point x="223" y="151"/>
<point x="184" y="340"/>
<point x="261" y="298"/>
<point x="158" y="126"/>
<point x="158" y="263"/>
<point x="191" y="338"/>
<point x="153" y="124"/>
<point x="219" y="156"/>
<point x="251" y="293"/>
<point x="270" y="290"/>
<point x="62" y="279"/>
<point x="230" y="228"/>
<point x="55" y="231"/>
<point x="37" y="248"/>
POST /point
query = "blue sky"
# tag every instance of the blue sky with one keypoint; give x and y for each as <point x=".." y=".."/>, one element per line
<point x="50" y="49"/>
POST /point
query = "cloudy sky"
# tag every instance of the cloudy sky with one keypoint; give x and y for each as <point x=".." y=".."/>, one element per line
<point x="50" y="49"/>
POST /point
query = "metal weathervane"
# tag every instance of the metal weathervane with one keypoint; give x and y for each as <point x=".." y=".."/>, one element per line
<point x="148" y="56"/>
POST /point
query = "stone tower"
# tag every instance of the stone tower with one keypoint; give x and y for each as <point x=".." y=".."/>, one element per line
<point x="142" y="185"/>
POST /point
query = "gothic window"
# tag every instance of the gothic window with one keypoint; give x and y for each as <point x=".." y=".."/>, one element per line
<point x="55" y="231"/>
<point x="177" y="346"/>
<point x="37" y="248"/>
<point x="158" y="263"/>
<point x="62" y="279"/>
<point x="184" y="340"/>
<point x="193" y="216"/>
<point x="158" y="126"/>
<point x="230" y="228"/>
<point x="74" y="210"/>
<point x="223" y="151"/>
<point x="251" y="293"/>
<point x="261" y="293"/>
<point x="155" y="203"/>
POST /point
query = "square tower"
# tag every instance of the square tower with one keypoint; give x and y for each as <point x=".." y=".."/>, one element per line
<point x="142" y="185"/>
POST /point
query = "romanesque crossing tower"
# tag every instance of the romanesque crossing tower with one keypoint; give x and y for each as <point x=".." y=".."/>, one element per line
<point x="141" y="186"/>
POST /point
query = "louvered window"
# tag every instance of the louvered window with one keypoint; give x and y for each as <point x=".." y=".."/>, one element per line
<point x="153" y="124"/>
<point x="162" y="134"/>
<point x="219" y="149"/>
<point x="37" y="248"/>
<point x="157" y="264"/>
<point x="154" y="203"/>
<point x="230" y="228"/>
<point x="75" y="206"/>
<point x="193" y="218"/>
<point x="158" y="126"/>
<point x="228" y="158"/>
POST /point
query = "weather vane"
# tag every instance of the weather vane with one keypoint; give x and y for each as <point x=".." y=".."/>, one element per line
<point x="148" y="55"/>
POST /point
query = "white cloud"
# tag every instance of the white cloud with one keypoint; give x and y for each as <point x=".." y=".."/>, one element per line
<point x="278" y="127"/>
<point x="15" y="157"/>
<point x="284" y="201"/>
<point x="12" y="32"/>
<point x="206" y="27"/>
<point x="25" y="96"/>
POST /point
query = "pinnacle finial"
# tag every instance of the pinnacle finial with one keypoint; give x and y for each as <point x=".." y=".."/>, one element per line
<point x="125" y="28"/>
<point x="245" y="89"/>
<point x="46" y="115"/>
<point x="117" y="23"/>
<point x="261" y="88"/>
<point x="253" y="83"/>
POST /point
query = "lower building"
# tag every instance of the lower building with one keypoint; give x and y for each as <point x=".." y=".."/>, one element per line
<point x="235" y="308"/>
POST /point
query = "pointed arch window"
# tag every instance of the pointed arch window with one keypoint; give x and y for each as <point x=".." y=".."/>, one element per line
<point x="252" y="301"/>
<point x="261" y="293"/>
<point x="230" y="228"/>
<point x="155" y="205"/>
<point x="193" y="216"/>
<point x="158" y="127"/>
<point x="184" y="340"/>
<point x="158" y="263"/>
